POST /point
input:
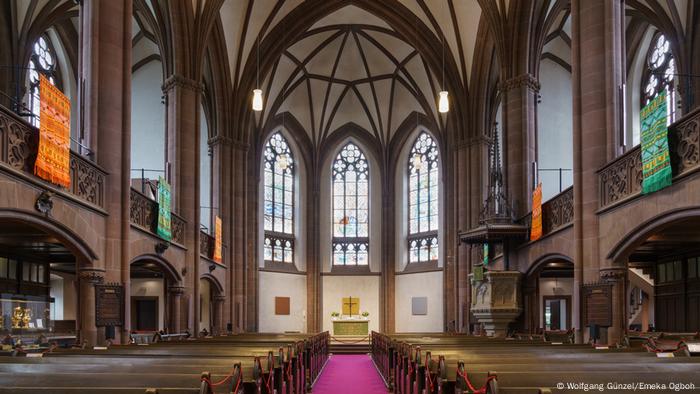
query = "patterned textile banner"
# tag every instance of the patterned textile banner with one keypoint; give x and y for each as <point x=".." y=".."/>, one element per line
<point x="163" y="229"/>
<point x="53" y="159"/>
<point x="485" y="260"/>
<point x="656" y="164"/>
<point x="217" y="239"/>
<point x="536" y="226"/>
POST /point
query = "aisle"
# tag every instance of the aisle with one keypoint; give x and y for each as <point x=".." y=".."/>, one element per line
<point x="349" y="374"/>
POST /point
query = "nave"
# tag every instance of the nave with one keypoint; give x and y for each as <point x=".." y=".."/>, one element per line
<point x="425" y="363"/>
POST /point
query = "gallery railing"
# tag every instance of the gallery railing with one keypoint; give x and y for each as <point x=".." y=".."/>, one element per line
<point x="558" y="211"/>
<point x="143" y="213"/>
<point x="621" y="180"/>
<point x="19" y="144"/>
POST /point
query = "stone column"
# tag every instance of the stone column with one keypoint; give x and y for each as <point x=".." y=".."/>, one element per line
<point x="617" y="277"/>
<point x="218" y="327"/>
<point x="89" y="333"/>
<point x="106" y="72"/>
<point x="175" y="299"/>
<point x="221" y="198"/>
<point x="241" y="297"/>
<point x="597" y="70"/>
<point x="519" y="139"/>
<point x="183" y="98"/>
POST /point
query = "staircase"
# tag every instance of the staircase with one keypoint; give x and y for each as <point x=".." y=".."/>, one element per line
<point x="350" y="345"/>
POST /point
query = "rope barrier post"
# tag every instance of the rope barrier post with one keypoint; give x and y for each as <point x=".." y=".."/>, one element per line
<point x="204" y="387"/>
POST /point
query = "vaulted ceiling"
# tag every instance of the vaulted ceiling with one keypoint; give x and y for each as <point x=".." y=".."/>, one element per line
<point x="352" y="66"/>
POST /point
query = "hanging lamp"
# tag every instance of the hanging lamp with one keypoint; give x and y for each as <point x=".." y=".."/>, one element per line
<point x="443" y="100"/>
<point x="257" y="92"/>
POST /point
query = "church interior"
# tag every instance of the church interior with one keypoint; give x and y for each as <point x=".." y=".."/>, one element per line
<point x="349" y="196"/>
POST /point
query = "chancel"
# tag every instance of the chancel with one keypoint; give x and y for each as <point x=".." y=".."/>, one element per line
<point x="349" y="196"/>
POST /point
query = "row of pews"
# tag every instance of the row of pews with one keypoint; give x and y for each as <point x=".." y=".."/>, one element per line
<point x="244" y="363"/>
<point x="449" y="363"/>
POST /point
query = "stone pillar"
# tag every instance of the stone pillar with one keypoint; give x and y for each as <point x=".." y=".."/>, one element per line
<point x="183" y="97"/>
<point x="175" y="299"/>
<point x="221" y="198"/>
<point x="617" y="277"/>
<point x="519" y="139"/>
<point x="597" y="72"/>
<point x="106" y="72"/>
<point x="89" y="333"/>
<point x="241" y="296"/>
<point x="218" y="327"/>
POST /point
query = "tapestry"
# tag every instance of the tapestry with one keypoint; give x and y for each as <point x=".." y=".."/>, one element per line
<point x="485" y="259"/>
<point x="217" y="239"/>
<point x="536" y="226"/>
<point x="656" y="164"/>
<point x="163" y="229"/>
<point x="53" y="158"/>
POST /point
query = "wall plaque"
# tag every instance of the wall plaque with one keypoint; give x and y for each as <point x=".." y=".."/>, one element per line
<point x="597" y="304"/>
<point x="109" y="305"/>
<point x="419" y="306"/>
<point x="282" y="305"/>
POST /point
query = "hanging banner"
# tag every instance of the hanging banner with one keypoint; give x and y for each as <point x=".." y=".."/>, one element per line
<point x="163" y="229"/>
<point x="53" y="157"/>
<point x="536" y="226"/>
<point x="217" y="239"/>
<point x="656" y="164"/>
<point x="485" y="260"/>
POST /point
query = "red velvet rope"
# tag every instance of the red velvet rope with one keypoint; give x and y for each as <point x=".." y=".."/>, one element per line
<point x="427" y="371"/>
<point x="473" y="389"/>
<point x="268" y="380"/>
<point x="224" y="380"/>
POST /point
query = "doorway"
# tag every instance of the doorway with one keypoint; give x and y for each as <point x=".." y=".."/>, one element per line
<point x="557" y="312"/>
<point x="144" y="311"/>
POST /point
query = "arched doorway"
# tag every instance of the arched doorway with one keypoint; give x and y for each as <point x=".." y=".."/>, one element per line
<point x="548" y="295"/>
<point x="155" y="296"/>
<point x="40" y="286"/>
<point x="663" y="275"/>
<point x="211" y="297"/>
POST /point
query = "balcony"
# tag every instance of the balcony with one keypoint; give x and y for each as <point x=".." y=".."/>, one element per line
<point x="19" y="144"/>
<point x="143" y="214"/>
<point x="621" y="180"/>
<point x="557" y="213"/>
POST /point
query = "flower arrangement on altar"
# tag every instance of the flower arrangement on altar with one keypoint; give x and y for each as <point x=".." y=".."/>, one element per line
<point x="335" y="315"/>
<point x="365" y="314"/>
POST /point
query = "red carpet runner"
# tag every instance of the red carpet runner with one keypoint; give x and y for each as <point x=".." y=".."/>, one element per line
<point x="350" y="374"/>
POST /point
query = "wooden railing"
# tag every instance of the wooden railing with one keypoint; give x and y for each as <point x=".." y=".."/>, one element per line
<point x="19" y="144"/>
<point x="143" y="213"/>
<point x="621" y="179"/>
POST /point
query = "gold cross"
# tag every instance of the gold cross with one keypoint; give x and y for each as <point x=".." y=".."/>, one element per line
<point x="350" y="307"/>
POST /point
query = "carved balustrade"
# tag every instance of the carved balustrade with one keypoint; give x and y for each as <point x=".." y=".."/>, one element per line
<point x="558" y="212"/>
<point x="206" y="245"/>
<point x="621" y="179"/>
<point x="143" y="213"/>
<point x="19" y="144"/>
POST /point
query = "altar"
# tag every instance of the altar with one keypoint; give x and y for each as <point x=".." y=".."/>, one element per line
<point x="351" y="327"/>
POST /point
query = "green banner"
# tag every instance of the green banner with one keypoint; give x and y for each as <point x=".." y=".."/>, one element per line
<point x="656" y="164"/>
<point x="163" y="229"/>
<point x="486" y="255"/>
<point x="478" y="272"/>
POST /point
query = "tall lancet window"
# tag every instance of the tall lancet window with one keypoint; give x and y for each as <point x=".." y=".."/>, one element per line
<point x="423" y="200"/>
<point x="278" y="193"/>
<point x="41" y="61"/>
<point x="660" y="75"/>
<point x="350" y="207"/>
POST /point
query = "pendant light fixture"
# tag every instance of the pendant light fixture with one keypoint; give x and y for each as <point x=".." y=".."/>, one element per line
<point x="257" y="92"/>
<point x="443" y="100"/>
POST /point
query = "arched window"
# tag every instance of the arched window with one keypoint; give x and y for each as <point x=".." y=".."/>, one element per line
<point x="350" y="207"/>
<point x="279" y="200"/>
<point x="41" y="61"/>
<point x="423" y="200"/>
<point x="660" y="76"/>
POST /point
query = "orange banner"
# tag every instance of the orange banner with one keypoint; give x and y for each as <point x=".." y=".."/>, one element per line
<point x="53" y="158"/>
<point x="217" y="239"/>
<point x="536" y="227"/>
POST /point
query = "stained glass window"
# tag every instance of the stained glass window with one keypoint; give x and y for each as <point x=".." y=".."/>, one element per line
<point x="350" y="207"/>
<point x="423" y="200"/>
<point x="41" y="61"/>
<point x="661" y="72"/>
<point x="278" y="191"/>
